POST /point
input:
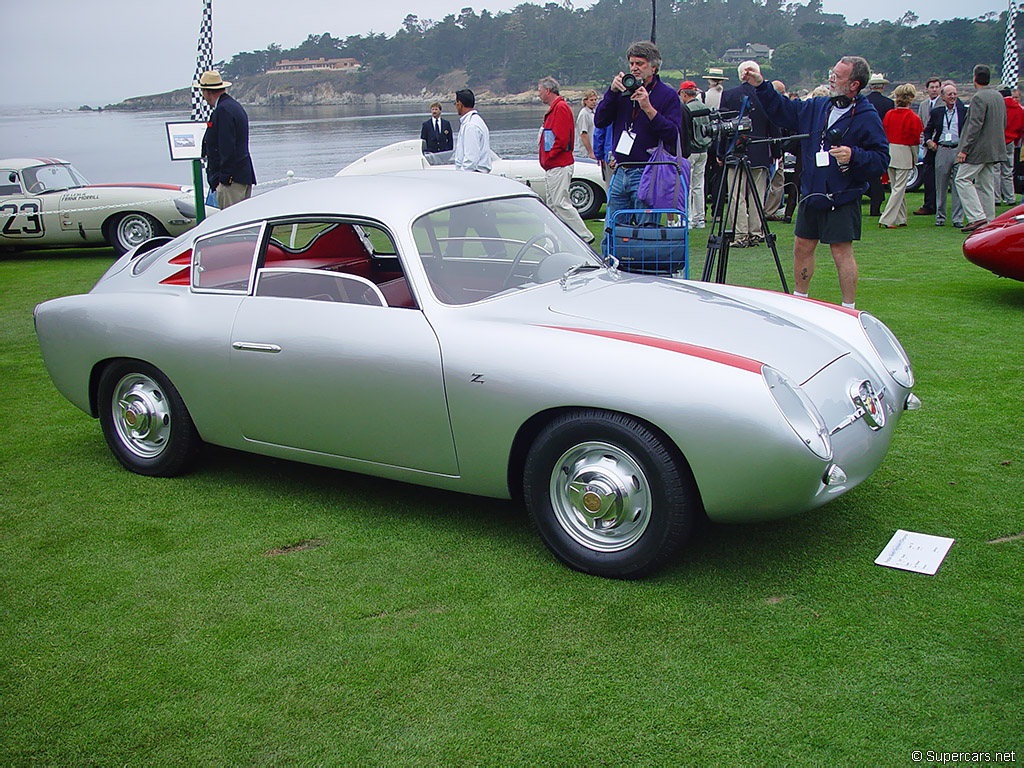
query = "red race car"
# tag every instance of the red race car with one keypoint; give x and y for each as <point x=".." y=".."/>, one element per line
<point x="999" y="245"/>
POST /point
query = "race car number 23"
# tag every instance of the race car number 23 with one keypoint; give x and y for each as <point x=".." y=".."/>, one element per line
<point x="21" y="220"/>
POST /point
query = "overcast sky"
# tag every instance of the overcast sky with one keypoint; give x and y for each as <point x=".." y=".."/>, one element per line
<point x="98" y="52"/>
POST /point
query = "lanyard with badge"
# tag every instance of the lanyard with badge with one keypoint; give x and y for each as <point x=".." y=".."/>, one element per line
<point x="947" y="137"/>
<point x="628" y="135"/>
<point x="834" y="136"/>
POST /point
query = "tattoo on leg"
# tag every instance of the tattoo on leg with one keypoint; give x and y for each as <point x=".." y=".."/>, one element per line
<point x="803" y="273"/>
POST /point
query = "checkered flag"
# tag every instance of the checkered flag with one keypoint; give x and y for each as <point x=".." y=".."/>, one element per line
<point x="1010" y="64"/>
<point x="204" y="62"/>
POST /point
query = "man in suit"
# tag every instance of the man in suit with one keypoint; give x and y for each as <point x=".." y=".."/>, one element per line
<point x="982" y="147"/>
<point x="924" y="111"/>
<point x="743" y="197"/>
<point x="436" y="132"/>
<point x="882" y="104"/>
<point x="226" y="143"/>
<point x="942" y="137"/>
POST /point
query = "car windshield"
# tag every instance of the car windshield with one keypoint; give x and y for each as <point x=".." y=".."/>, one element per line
<point x="478" y="250"/>
<point x="47" y="178"/>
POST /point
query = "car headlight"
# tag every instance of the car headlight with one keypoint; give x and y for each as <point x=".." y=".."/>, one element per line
<point x="799" y="411"/>
<point x="186" y="207"/>
<point x="888" y="349"/>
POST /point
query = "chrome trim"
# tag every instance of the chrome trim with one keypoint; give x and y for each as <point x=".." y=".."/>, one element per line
<point x="868" y="405"/>
<point x="254" y="346"/>
<point x="912" y="403"/>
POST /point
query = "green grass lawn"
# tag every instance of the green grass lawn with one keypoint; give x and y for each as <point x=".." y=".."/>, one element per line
<point x="263" y="612"/>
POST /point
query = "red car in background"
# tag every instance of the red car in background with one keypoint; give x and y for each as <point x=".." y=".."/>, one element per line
<point x="999" y="245"/>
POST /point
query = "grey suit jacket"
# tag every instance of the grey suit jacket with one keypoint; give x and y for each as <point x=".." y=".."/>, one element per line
<point x="982" y="139"/>
<point x="924" y="109"/>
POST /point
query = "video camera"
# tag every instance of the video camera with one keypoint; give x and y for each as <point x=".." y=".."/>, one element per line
<point x="724" y="125"/>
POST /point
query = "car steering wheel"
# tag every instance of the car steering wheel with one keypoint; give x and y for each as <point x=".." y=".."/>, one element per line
<point x="36" y="188"/>
<point x="532" y="242"/>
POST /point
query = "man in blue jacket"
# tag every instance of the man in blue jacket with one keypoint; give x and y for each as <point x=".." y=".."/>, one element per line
<point x="845" y="148"/>
<point x="226" y="143"/>
<point x="634" y="122"/>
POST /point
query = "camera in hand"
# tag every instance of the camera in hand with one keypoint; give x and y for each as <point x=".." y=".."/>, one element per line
<point x="630" y="84"/>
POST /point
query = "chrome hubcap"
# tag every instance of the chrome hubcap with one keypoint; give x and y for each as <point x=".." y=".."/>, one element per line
<point x="581" y="196"/>
<point x="134" y="230"/>
<point x="600" y="496"/>
<point x="141" y="415"/>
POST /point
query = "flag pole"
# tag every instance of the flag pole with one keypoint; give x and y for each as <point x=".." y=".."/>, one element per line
<point x="1010" y="63"/>
<point x="200" y="109"/>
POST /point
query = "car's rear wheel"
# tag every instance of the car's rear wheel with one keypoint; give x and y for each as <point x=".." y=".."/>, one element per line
<point x="607" y="495"/>
<point x="916" y="178"/>
<point x="127" y="230"/>
<point x="586" y="198"/>
<point x="145" y="421"/>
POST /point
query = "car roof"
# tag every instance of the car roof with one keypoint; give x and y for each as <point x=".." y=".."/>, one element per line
<point x="400" y="197"/>
<point x="17" y="163"/>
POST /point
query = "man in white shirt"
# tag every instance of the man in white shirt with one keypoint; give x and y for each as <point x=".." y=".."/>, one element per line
<point x="473" y="144"/>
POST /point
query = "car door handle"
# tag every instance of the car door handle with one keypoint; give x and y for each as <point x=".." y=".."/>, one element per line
<point x="254" y="346"/>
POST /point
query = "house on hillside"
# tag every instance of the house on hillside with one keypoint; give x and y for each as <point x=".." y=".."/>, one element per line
<point x="750" y="51"/>
<point x="300" y="65"/>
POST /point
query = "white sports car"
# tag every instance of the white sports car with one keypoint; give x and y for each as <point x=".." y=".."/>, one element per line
<point x="45" y="202"/>
<point x="586" y="190"/>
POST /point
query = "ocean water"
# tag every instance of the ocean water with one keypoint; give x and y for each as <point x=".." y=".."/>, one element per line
<point x="312" y="142"/>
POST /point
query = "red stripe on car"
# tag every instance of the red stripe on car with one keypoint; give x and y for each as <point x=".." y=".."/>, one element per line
<point x="142" y="185"/>
<point x="714" y="355"/>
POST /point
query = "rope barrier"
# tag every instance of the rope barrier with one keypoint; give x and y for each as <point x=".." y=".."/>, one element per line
<point x="132" y="203"/>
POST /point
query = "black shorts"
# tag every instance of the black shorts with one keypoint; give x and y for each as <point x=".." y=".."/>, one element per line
<point x="839" y="226"/>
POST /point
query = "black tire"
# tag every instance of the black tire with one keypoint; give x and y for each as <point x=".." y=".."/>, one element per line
<point x="586" y="198"/>
<point x="145" y="421"/>
<point x="128" y="230"/>
<point x="607" y="495"/>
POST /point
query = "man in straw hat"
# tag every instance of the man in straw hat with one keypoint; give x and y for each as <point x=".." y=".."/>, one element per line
<point x="226" y="143"/>
<point x="882" y="103"/>
<point x="713" y="95"/>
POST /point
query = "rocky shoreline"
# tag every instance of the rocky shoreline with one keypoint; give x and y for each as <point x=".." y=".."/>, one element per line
<point x="301" y="89"/>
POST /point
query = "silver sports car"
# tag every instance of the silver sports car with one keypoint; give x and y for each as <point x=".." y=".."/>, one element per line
<point x="449" y="330"/>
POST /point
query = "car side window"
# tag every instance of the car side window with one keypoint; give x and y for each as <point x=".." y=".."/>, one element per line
<point x="9" y="183"/>
<point x="354" y="262"/>
<point x="224" y="262"/>
<point x="315" y="285"/>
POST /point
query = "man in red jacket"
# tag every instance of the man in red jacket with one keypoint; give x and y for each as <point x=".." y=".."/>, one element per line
<point x="557" y="136"/>
<point x="1005" y="193"/>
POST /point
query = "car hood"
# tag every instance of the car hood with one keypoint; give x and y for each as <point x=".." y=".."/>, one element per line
<point x="696" y="314"/>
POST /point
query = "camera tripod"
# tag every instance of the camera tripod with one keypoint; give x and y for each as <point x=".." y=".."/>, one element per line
<point x="722" y="230"/>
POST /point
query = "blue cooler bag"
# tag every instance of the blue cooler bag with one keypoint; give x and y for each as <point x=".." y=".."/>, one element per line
<point x="649" y="247"/>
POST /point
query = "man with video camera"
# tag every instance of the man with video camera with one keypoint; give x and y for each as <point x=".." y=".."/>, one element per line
<point x="639" y="111"/>
<point x="845" y="148"/>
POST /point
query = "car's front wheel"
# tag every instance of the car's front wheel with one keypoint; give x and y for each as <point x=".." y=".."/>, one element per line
<point x="145" y="421"/>
<point x="607" y="495"/>
<point x="127" y="230"/>
<point x="586" y="198"/>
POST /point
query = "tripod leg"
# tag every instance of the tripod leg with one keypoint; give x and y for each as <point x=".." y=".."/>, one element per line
<point x="732" y="207"/>
<point x="769" y="238"/>
<point x="718" y="237"/>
